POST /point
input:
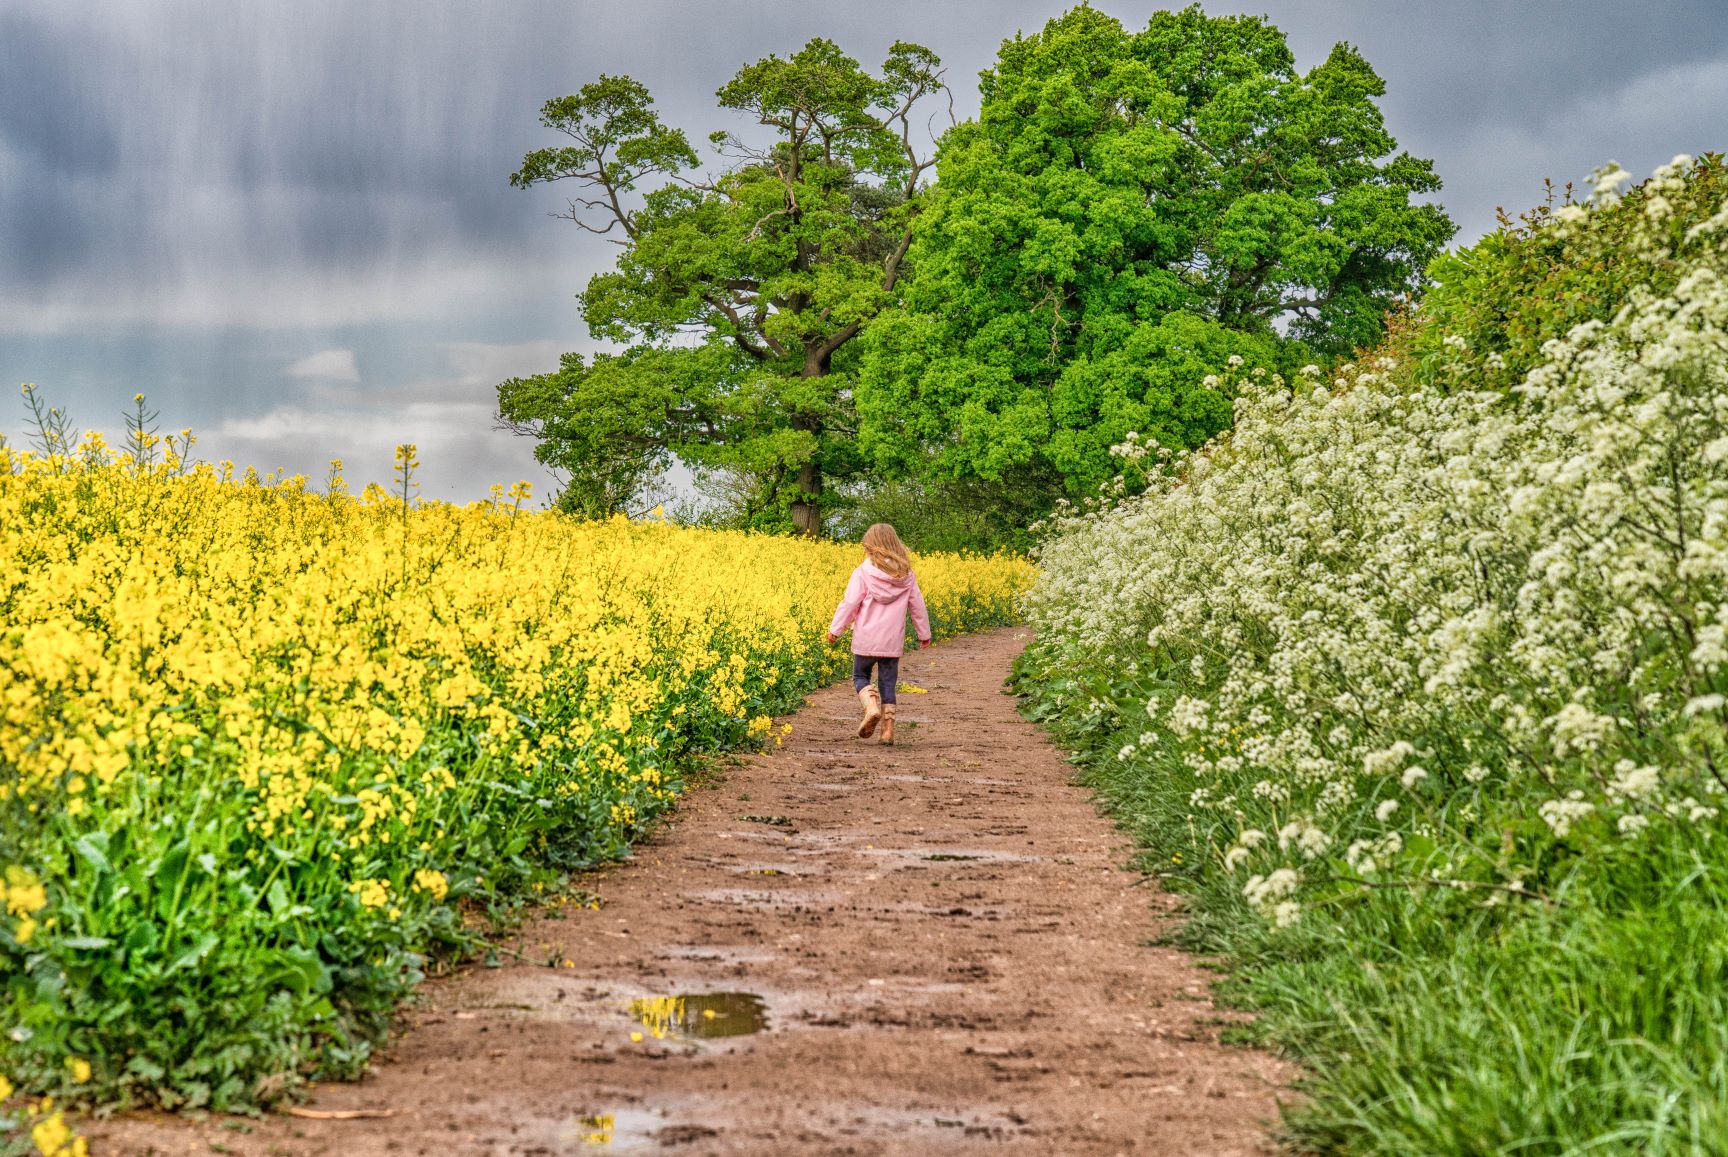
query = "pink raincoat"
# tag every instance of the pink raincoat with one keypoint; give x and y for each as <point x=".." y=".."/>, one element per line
<point x="875" y="606"/>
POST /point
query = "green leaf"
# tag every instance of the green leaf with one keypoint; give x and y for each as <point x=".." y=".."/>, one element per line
<point x="141" y="940"/>
<point x="169" y="873"/>
<point x="93" y="850"/>
<point x="142" y="1066"/>
<point x="87" y="942"/>
<point x="199" y="949"/>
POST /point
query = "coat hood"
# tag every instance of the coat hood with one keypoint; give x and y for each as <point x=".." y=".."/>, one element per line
<point x="882" y="586"/>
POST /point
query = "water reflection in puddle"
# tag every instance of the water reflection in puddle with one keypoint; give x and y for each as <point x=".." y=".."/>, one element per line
<point x="701" y="1015"/>
<point x="596" y="1129"/>
<point x="621" y="1133"/>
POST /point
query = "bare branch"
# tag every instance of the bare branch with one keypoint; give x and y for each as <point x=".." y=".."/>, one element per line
<point x="739" y="336"/>
<point x="903" y="116"/>
<point x="891" y="267"/>
<point x="702" y="186"/>
<point x="827" y="349"/>
<point x="583" y="225"/>
<point x="786" y="211"/>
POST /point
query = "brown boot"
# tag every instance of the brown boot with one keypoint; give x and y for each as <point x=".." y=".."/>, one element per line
<point x="872" y="702"/>
<point x="888" y="723"/>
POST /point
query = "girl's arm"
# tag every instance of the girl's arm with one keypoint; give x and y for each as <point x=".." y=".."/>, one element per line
<point x="920" y="615"/>
<point x="849" y="604"/>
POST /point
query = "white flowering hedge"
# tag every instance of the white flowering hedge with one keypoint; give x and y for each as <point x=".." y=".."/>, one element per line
<point x="1426" y="637"/>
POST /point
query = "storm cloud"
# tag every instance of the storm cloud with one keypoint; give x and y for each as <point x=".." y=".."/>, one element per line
<point x="290" y="223"/>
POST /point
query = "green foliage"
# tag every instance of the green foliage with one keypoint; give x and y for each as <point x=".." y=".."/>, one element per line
<point x="603" y="425"/>
<point x="53" y="436"/>
<point x="1435" y="1027"/>
<point x="1130" y="211"/>
<point x="963" y="514"/>
<point x="736" y="298"/>
<point x="191" y="1014"/>
<point x="1529" y="281"/>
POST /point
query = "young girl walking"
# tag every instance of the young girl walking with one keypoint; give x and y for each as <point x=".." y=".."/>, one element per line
<point x="878" y="596"/>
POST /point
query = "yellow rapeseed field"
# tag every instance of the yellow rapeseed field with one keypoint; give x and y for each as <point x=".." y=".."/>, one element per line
<point x="258" y="744"/>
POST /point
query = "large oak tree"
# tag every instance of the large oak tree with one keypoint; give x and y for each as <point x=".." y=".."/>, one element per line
<point x="1129" y="211"/>
<point x="737" y="297"/>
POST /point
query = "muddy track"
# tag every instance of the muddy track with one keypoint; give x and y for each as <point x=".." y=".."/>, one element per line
<point x="930" y="948"/>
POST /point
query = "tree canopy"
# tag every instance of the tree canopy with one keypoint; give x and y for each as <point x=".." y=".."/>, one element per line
<point x="736" y="297"/>
<point x="1128" y="212"/>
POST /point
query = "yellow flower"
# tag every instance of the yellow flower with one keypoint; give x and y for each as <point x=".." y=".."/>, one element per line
<point x="371" y="893"/>
<point x="22" y="893"/>
<point x="55" y="1138"/>
<point x="433" y="882"/>
<point x="79" y="1070"/>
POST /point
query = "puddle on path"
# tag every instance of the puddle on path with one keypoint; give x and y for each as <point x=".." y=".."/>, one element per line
<point x="594" y="1129"/>
<point x="701" y="1015"/>
<point x="621" y="1132"/>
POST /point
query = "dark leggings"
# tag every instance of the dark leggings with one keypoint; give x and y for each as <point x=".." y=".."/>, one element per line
<point x="887" y="672"/>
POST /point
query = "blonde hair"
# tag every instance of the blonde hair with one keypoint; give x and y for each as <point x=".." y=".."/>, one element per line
<point x="884" y="548"/>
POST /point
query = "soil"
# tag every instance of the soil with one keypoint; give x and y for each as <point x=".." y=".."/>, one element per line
<point x="926" y="948"/>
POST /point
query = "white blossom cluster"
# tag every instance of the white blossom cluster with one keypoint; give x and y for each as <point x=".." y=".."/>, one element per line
<point x="1380" y="610"/>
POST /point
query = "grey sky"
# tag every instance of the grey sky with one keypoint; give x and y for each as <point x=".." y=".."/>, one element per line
<point x="289" y="222"/>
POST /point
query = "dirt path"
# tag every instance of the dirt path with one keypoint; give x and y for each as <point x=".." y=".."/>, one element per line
<point x="946" y="952"/>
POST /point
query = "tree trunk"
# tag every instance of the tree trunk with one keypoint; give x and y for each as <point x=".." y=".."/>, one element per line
<point x="806" y="512"/>
<point x="806" y="508"/>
